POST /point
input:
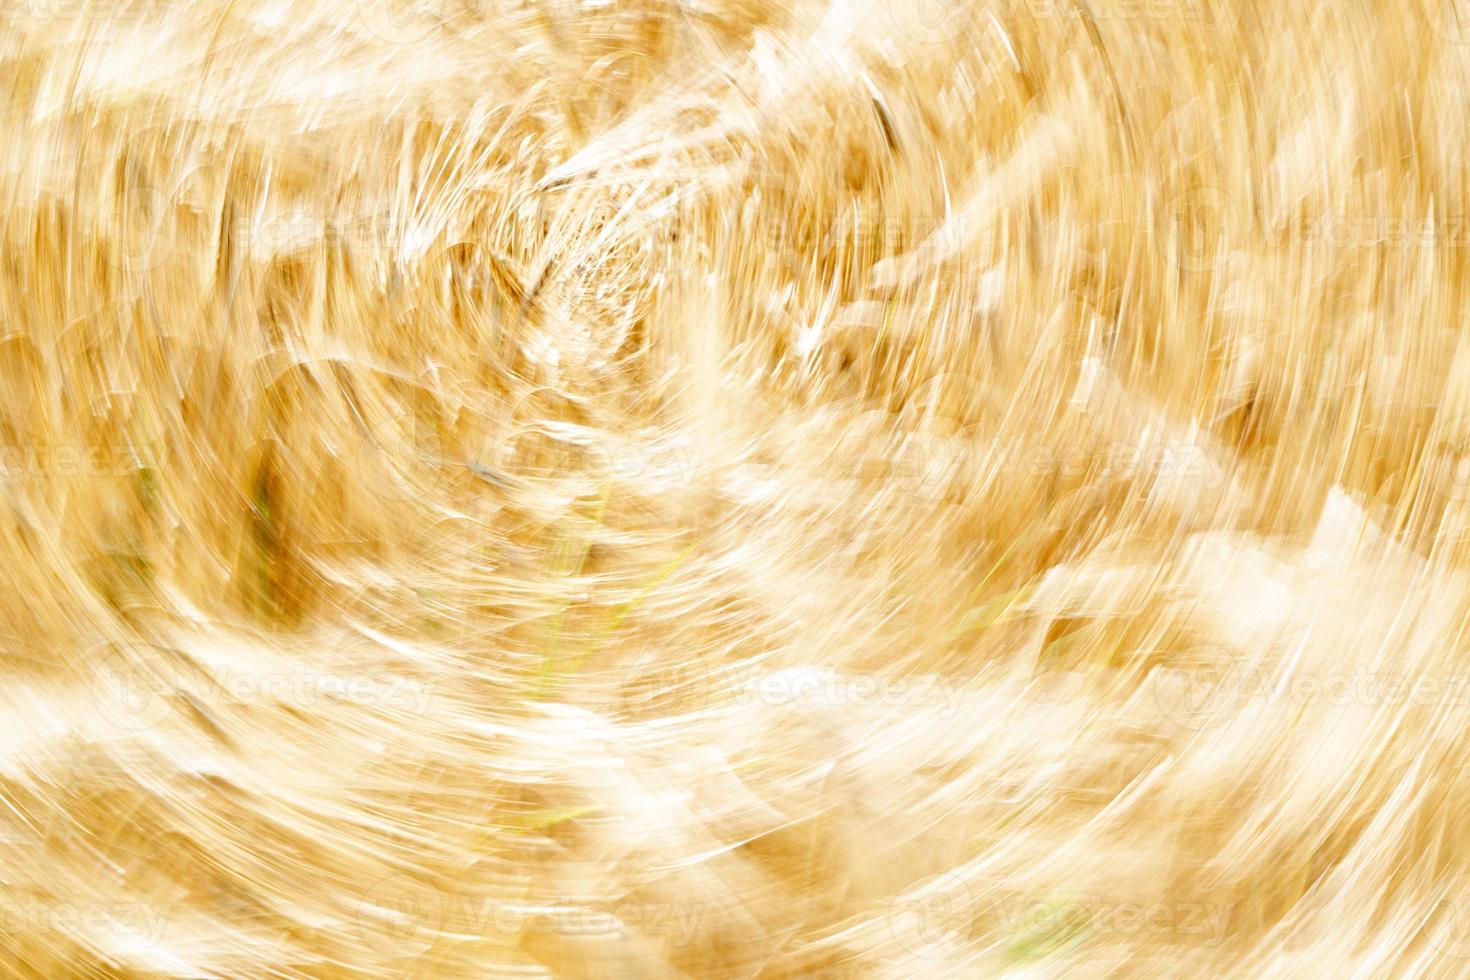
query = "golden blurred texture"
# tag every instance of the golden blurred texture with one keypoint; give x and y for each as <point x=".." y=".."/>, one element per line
<point x="734" y="488"/>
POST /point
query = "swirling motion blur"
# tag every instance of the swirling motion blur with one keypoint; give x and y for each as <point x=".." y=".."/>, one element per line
<point x="639" y="488"/>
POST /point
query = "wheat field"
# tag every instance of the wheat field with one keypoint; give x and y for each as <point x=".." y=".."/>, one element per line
<point x="734" y="488"/>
